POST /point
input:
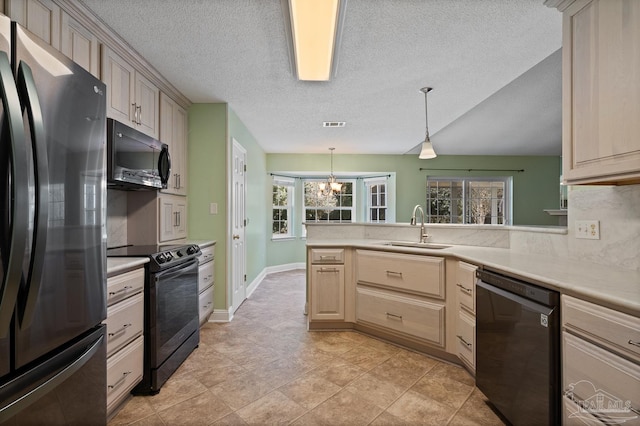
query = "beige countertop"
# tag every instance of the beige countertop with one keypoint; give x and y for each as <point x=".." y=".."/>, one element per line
<point x="119" y="265"/>
<point x="606" y="285"/>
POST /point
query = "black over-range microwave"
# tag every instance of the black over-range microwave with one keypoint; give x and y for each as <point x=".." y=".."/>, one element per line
<point x="135" y="161"/>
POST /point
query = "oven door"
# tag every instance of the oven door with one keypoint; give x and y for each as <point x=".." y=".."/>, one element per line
<point x="173" y="310"/>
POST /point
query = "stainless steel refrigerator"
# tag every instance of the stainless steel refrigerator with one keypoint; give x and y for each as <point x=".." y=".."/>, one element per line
<point x="52" y="236"/>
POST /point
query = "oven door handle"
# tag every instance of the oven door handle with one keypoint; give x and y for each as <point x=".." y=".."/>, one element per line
<point x="177" y="270"/>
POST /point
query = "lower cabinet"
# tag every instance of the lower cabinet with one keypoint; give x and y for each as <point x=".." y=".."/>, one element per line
<point x="466" y="339"/>
<point x="600" y="364"/>
<point x="403" y="313"/>
<point x="124" y="372"/>
<point x="466" y="318"/>
<point x="327" y="292"/>
<point x="206" y="278"/>
<point x="125" y="326"/>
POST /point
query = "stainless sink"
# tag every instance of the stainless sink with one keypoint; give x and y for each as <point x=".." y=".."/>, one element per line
<point x="416" y="245"/>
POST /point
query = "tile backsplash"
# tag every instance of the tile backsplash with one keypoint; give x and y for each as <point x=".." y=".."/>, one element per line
<point x="116" y="218"/>
<point x="618" y="210"/>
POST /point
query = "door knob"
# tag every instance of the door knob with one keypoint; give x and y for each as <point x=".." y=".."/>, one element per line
<point x="236" y="237"/>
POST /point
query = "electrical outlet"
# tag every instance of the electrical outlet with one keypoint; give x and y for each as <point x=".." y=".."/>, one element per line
<point x="587" y="229"/>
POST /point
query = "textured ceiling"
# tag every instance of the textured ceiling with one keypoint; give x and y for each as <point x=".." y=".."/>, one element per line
<point x="496" y="85"/>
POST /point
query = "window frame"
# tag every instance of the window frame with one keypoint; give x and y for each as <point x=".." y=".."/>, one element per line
<point x="352" y="208"/>
<point x="507" y="198"/>
<point x="369" y="183"/>
<point x="289" y="184"/>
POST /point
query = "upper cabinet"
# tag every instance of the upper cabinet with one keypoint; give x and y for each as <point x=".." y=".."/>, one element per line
<point x="601" y="91"/>
<point x="173" y="132"/>
<point x="79" y="44"/>
<point x="131" y="98"/>
<point x="41" y="17"/>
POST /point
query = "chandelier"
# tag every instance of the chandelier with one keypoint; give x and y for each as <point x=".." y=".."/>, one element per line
<point x="331" y="186"/>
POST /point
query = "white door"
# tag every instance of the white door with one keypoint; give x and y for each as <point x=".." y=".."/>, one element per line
<point x="238" y="248"/>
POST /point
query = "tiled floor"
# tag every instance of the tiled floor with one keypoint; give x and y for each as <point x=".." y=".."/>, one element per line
<point x="265" y="368"/>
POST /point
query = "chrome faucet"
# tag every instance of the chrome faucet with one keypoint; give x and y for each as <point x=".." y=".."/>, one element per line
<point x="423" y="234"/>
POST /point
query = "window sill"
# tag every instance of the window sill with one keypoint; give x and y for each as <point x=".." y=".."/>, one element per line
<point x="286" y="238"/>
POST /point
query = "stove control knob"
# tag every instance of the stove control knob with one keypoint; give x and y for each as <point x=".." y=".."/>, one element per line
<point x="168" y="256"/>
<point x="192" y="249"/>
<point x="161" y="258"/>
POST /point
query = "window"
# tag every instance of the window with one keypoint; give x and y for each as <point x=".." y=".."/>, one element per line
<point x="282" y="207"/>
<point x="376" y="210"/>
<point x="485" y="200"/>
<point x="327" y="206"/>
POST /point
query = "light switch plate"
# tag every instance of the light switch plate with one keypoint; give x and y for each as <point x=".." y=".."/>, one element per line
<point x="587" y="229"/>
<point x="213" y="208"/>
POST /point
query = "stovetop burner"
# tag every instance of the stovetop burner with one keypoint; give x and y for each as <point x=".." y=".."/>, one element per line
<point x="160" y="256"/>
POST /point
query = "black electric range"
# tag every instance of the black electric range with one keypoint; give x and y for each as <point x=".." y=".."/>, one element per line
<point x="160" y="256"/>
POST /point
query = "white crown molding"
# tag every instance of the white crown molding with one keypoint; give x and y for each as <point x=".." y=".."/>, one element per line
<point x="107" y="36"/>
<point x="561" y="5"/>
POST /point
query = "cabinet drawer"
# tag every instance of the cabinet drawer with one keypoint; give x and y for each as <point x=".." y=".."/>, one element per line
<point x="205" y="276"/>
<point x="591" y="373"/>
<point x="328" y="255"/>
<point x="124" y="371"/>
<point x="124" y="285"/>
<point x="466" y="338"/>
<point x="125" y="322"/>
<point x="466" y="286"/>
<point x="420" y="274"/>
<point x="205" y="306"/>
<point x="619" y="331"/>
<point x="402" y="313"/>
<point x="206" y="254"/>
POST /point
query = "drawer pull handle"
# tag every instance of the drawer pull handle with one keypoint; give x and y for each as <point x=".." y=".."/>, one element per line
<point x="469" y="345"/>
<point x="631" y="342"/>
<point x="120" y="381"/>
<point x="394" y="273"/>
<point x="328" y="270"/>
<point x="463" y="288"/>
<point x="120" y="330"/>
<point x="394" y="315"/>
<point x="123" y="289"/>
<point x="328" y="257"/>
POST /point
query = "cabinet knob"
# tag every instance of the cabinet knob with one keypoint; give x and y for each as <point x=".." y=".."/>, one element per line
<point x="236" y="237"/>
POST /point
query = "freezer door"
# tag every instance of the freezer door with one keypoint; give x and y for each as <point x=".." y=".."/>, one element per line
<point x="64" y="271"/>
<point x="69" y="388"/>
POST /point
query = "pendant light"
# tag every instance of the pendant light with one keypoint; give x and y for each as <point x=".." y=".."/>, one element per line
<point x="327" y="188"/>
<point x="427" y="148"/>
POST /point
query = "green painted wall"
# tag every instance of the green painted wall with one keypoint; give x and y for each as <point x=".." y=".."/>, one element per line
<point x="208" y="184"/>
<point x="258" y="200"/>
<point x="534" y="189"/>
<point x="212" y="127"/>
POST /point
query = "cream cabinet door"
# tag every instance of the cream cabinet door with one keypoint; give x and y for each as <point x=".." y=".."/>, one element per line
<point x="601" y="91"/>
<point x="79" y="44"/>
<point x="147" y="100"/>
<point x="327" y="292"/>
<point x="41" y="17"/>
<point x="173" y="128"/>
<point x="173" y="218"/>
<point x="119" y="77"/>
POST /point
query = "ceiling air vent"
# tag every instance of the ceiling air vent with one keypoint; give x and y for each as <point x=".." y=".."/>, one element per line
<point x="334" y="123"/>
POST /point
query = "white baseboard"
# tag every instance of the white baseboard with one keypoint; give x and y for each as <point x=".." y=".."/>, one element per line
<point x="222" y="315"/>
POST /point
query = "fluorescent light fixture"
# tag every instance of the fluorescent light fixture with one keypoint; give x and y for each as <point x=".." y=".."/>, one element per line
<point x="314" y="29"/>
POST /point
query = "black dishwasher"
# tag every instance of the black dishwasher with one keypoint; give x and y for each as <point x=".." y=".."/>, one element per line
<point x="518" y="348"/>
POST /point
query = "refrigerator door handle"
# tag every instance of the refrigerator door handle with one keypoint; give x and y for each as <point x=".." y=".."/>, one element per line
<point x="22" y="400"/>
<point x="31" y="103"/>
<point x="18" y="195"/>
